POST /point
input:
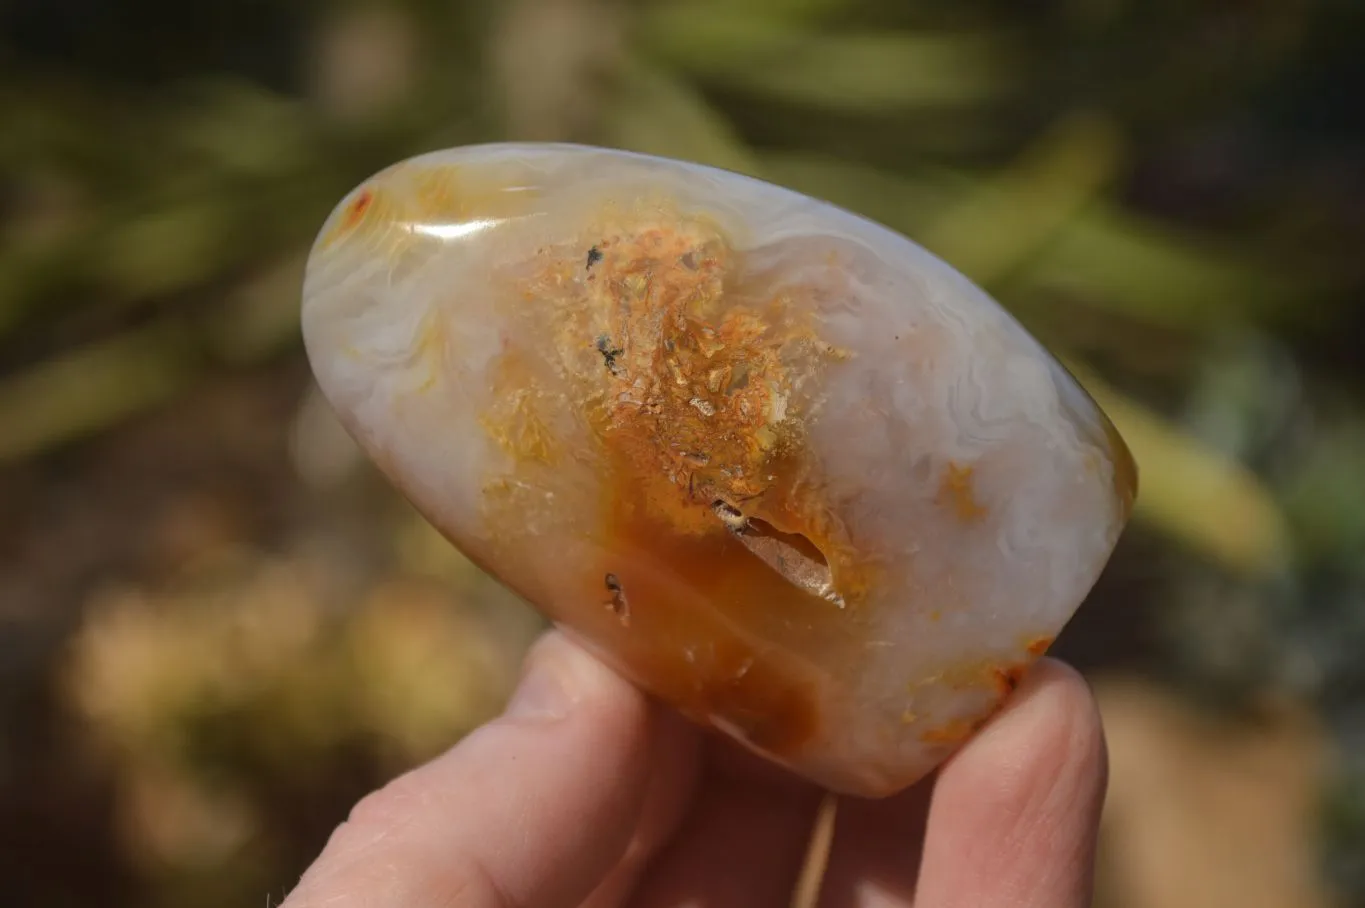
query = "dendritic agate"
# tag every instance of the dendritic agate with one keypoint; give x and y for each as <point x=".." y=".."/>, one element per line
<point x="777" y="464"/>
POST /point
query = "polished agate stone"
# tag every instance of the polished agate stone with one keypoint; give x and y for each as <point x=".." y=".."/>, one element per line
<point x="775" y="463"/>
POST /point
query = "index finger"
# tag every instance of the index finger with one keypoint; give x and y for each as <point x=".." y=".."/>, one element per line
<point x="534" y="808"/>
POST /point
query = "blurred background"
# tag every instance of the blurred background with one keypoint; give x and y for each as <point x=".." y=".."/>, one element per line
<point x="218" y="628"/>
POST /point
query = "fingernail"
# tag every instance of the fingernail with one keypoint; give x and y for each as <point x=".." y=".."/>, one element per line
<point x="541" y="693"/>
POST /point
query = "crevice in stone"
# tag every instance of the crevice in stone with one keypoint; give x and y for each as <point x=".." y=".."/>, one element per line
<point x="792" y="555"/>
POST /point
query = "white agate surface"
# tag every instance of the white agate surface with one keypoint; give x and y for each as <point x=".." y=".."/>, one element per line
<point x="973" y="484"/>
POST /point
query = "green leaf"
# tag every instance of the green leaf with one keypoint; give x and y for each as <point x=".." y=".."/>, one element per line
<point x="90" y="389"/>
<point x="1003" y="222"/>
<point x="654" y="113"/>
<point x="1195" y="494"/>
<point x="788" y="11"/>
<point x="902" y="202"/>
<point x="862" y="72"/>
<point x="1165" y="277"/>
<point x="167" y="249"/>
<point x="1326" y="493"/>
<point x="1008" y="230"/>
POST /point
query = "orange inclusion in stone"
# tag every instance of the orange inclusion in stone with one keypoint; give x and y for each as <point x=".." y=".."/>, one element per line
<point x="956" y="492"/>
<point x="1007" y="679"/>
<point x="952" y="732"/>
<point x="719" y="558"/>
<point x="698" y="607"/>
<point x="357" y="208"/>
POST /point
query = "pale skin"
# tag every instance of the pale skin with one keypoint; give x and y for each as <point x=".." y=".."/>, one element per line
<point x="586" y="793"/>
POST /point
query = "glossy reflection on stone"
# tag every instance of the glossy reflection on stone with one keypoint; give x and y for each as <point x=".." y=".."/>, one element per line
<point x="777" y="464"/>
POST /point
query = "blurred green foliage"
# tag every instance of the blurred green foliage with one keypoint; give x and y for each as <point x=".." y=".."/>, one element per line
<point x="1171" y="194"/>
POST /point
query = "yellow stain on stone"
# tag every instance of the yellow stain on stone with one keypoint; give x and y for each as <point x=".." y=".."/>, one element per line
<point x="954" y="731"/>
<point x="522" y="433"/>
<point x="395" y="203"/>
<point x="454" y="194"/>
<point x="955" y="491"/>
<point x="514" y="421"/>
<point x="434" y="193"/>
<point x="429" y="353"/>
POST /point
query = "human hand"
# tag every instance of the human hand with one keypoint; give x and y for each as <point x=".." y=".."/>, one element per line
<point x="585" y="792"/>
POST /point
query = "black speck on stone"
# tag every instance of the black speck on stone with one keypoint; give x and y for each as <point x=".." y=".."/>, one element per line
<point x="594" y="256"/>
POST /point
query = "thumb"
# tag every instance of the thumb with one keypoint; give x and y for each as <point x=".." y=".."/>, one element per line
<point x="532" y="809"/>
